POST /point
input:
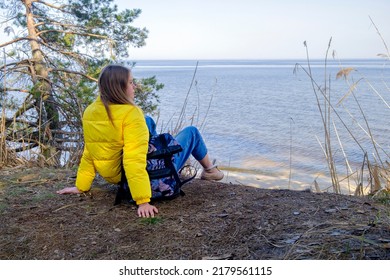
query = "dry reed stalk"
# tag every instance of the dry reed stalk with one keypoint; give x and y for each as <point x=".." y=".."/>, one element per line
<point x="8" y="157"/>
<point x="325" y="113"/>
<point x="359" y="191"/>
<point x="180" y="122"/>
<point x="376" y="174"/>
<point x="3" y="144"/>
<point x="327" y="108"/>
<point x="376" y="186"/>
<point x="373" y="171"/>
<point x="317" y="187"/>
<point x="377" y="93"/>
<point x="344" y="72"/>
<point x="290" y="155"/>
<point x="368" y="128"/>
<point x="195" y="116"/>
<point x="349" y="169"/>
<point x="351" y="89"/>
<point x="365" y="131"/>
<point x="387" y="55"/>
<point x="203" y="124"/>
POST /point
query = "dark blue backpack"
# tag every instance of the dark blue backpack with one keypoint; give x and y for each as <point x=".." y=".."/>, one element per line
<point x="164" y="178"/>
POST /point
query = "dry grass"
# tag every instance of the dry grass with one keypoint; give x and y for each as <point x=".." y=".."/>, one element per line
<point x="14" y="149"/>
<point x="373" y="175"/>
<point x="7" y="156"/>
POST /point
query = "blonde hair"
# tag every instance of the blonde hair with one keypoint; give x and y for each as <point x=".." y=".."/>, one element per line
<point x="113" y="83"/>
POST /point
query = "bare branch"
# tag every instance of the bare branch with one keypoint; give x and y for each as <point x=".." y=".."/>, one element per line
<point x="25" y="62"/>
<point x="60" y="8"/>
<point x="57" y="131"/>
<point x="9" y="121"/>
<point x="64" y="140"/>
<point x="17" y="90"/>
<point x="73" y="72"/>
<point x="25" y="148"/>
<point x="57" y="23"/>
<point x="15" y="41"/>
<point x="72" y="32"/>
<point x="7" y="20"/>
<point x="22" y="109"/>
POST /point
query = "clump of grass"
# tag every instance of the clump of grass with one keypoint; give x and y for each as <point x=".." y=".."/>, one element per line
<point x="382" y="196"/>
<point x="3" y="207"/>
<point x="151" y="220"/>
<point x="42" y="196"/>
<point x="16" y="191"/>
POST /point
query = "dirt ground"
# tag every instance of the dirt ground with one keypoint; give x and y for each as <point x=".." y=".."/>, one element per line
<point x="212" y="221"/>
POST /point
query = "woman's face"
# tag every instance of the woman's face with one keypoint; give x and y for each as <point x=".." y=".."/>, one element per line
<point x="131" y="87"/>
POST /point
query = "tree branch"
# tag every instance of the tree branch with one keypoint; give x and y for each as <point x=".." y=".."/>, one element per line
<point x="9" y="121"/>
<point x="65" y="53"/>
<point x="25" y="148"/>
<point x="8" y="19"/>
<point x="17" y="89"/>
<point x="57" y="131"/>
<point x="72" y="32"/>
<point x="24" y="107"/>
<point x="73" y="72"/>
<point x="24" y="62"/>
<point x="60" y="8"/>
<point x="57" y="23"/>
<point x="15" y="41"/>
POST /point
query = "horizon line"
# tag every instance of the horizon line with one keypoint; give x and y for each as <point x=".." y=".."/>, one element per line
<point x="220" y="59"/>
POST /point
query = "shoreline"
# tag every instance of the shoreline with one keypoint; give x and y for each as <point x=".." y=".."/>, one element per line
<point x="282" y="181"/>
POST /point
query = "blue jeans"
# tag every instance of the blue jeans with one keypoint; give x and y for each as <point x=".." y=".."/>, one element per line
<point x="189" y="139"/>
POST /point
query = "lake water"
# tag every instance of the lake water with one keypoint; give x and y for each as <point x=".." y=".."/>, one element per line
<point x="262" y="121"/>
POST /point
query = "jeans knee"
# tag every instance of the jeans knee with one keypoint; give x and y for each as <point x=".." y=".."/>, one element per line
<point x="191" y="140"/>
<point x="151" y="125"/>
<point x="192" y="129"/>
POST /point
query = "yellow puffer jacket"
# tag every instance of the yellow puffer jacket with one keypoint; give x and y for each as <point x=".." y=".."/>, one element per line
<point x="104" y="143"/>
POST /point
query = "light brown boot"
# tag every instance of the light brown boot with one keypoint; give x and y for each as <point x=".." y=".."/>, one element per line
<point x="212" y="174"/>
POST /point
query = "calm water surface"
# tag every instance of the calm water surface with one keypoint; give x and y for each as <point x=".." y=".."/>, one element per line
<point x="263" y="124"/>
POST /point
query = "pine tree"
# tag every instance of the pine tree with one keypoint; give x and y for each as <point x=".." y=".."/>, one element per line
<point x="51" y="66"/>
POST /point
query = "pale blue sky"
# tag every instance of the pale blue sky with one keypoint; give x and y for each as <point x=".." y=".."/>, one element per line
<point x="260" y="29"/>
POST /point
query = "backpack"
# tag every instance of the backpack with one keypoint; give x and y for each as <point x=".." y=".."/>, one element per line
<point x="164" y="178"/>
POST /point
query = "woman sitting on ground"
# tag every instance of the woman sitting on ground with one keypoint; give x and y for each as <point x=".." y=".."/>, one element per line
<point x="116" y="132"/>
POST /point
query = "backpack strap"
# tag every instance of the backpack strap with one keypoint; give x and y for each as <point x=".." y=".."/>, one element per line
<point x="169" y="164"/>
<point x="166" y="151"/>
<point x="190" y="178"/>
<point x="123" y="192"/>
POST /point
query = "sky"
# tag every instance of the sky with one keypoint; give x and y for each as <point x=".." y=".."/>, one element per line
<point x="260" y="29"/>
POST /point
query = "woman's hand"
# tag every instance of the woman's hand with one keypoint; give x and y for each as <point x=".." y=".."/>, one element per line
<point x="69" y="190"/>
<point x="146" y="210"/>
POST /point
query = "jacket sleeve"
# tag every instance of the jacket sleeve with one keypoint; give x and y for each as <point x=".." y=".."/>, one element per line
<point x="136" y="138"/>
<point x="86" y="172"/>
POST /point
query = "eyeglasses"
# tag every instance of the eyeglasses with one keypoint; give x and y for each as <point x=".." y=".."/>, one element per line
<point x="132" y="83"/>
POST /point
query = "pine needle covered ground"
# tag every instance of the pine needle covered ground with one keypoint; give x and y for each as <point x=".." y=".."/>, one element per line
<point x="212" y="221"/>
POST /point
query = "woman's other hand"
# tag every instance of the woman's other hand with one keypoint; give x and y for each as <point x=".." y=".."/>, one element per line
<point x="146" y="210"/>
<point x="69" y="190"/>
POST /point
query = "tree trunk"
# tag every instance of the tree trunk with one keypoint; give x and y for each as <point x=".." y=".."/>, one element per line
<point x="44" y="100"/>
